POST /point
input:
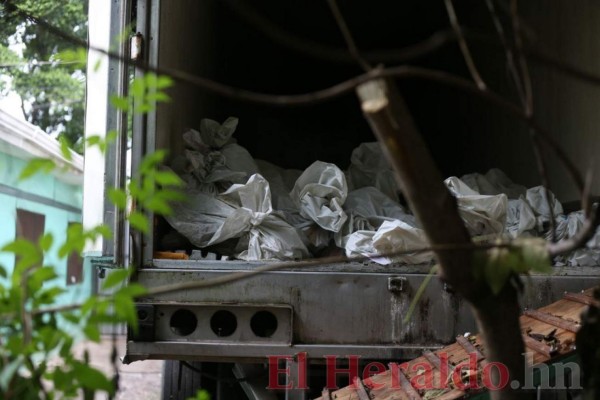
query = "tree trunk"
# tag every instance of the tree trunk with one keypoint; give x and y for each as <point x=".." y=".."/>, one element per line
<point x="435" y="207"/>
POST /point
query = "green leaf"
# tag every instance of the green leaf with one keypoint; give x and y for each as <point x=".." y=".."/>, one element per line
<point x="501" y="261"/>
<point x="163" y="82"/>
<point x="89" y="304"/>
<point x="138" y="88"/>
<point x="42" y="275"/>
<point x="91" y="378"/>
<point x="8" y="372"/>
<point x="144" y="108"/>
<point x="118" y="197"/>
<point x="139" y="221"/>
<point x="151" y="160"/>
<point x="200" y="395"/>
<point x="36" y="165"/>
<point x="29" y="254"/>
<point x="65" y="148"/>
<point x="119" y="102"/>
<point x="125" y="309"/>
<point x="158" y="97"/>
<point x="111" y="136"/>
<point x="77" y="57"/>
<point x="49" y="296"/>
<point x="535" y="254"/>
<point x="168" y="178"/>
<point x="115" y="277"/>
<point x="46" y="241"/>
<point x="97" y="65"/>
<point x="102" y="230"/>
<point x="158" y="206"/>
<point x="92" y="333"/>
<point x="132" y="290"/>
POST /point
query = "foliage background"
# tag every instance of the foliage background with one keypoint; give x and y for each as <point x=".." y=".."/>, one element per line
<point x="52" y="90"/>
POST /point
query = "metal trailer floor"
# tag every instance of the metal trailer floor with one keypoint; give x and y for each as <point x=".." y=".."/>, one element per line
<point x="548" y="333"/>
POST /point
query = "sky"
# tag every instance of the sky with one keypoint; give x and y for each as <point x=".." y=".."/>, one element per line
<point x="12" y="105"/>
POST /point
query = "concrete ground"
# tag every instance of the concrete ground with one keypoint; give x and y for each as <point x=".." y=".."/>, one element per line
<point x="141" y="380"/>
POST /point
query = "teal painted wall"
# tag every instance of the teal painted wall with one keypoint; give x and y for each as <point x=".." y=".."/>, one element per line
<point x="56" y="219"/>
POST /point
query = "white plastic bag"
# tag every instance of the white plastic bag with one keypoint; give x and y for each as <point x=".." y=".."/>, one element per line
<point x="320" y="193"/>
<point x="483" y="215"/>
<point x="391" y="237"/>
<point x="367" y="208"/>
<point x="536" y="197"/>
<point x="492" y="183"/>
<point x="213" y="160"/>
<point x="280" y="184"/>
<point x="520" y="218"/>
<point x="369" y="167"/>
<point x="199" y="216"/>
<point x="588" y="256"/>
<point x="264" y="234"/>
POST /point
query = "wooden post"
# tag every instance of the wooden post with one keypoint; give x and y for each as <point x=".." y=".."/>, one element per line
<point x="435" y="207"/>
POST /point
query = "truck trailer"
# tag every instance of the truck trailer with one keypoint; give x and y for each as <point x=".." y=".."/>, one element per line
<point x="227" y="338"/>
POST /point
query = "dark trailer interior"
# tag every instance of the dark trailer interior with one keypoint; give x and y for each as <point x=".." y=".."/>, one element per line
<point x="295" y="47"/>
<point x="232" y="43"/>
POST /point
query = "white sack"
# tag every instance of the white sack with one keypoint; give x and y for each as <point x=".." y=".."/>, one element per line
<point x="588" y="256"/>
<point x="369" y="167"/>
<point x="279" y="182"/>
<point x="520" y="218"/>
<point x="199" y="216"/>
<point x="367" y="208"/>
<point x="320" y="193"/>
<point x="483" y="215"/>
<point x="267" y="235"/>
<point x="213" y="159"/>
<point x="492" y="183"/>
<point x="536" y="197"/>
<point x="392" y="236"/>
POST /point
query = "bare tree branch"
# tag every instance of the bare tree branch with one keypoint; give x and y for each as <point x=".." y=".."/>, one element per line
<point x="522" y="81"/>
<point x="334" y="54"/>
<point x="525" y="77"/>
<point x="510" y="61"/>
<point x="341" y="23"/>
<point x="464" y="48"/>
<point x="437" y="212"/>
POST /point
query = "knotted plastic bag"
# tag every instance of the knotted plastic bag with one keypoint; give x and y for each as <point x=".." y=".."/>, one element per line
<point x="264" y="235"/>
<point x="391" y="237"/>
<point x="367" y="208"/>
<point x="369" y="167"/>
<point x="482" y="215"/>
<point x="320" y="193"/>
<point x="213" y="160"/>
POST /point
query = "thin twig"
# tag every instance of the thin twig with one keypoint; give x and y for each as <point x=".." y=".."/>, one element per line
<point x="510" y="60"/>
<point x="321" y="51"/>
<point x="542" y="170"/>
<point x="528" y="31"/>
<point x="523" y="83"/>
<point x="525" y="77"/>
<point x="464" y="48"/>
<point x="527" y="101"/>
<point x="352" y="48"/>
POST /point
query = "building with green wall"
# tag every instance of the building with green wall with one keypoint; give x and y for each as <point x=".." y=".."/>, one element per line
<point x="42" y="203"/>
